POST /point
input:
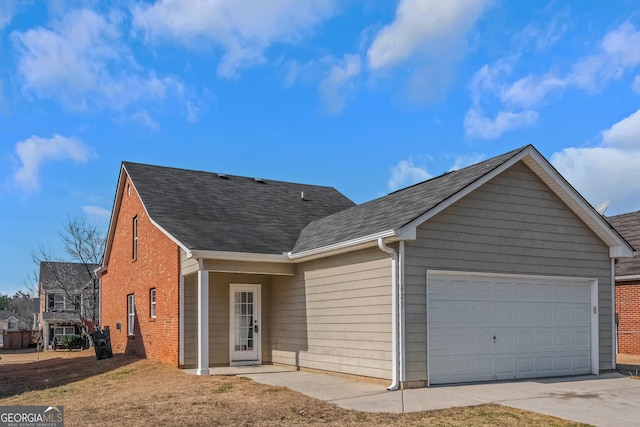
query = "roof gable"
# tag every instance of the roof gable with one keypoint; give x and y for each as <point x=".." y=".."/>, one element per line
<point x="393" y="211"/>
<point x="398" y="214"/>
<point x="204" y="211"/>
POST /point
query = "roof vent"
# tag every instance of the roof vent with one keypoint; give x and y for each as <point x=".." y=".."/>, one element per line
<point x="259" y="180"/>
<point x="302" y="196"/>
<point x="222" y="176"/>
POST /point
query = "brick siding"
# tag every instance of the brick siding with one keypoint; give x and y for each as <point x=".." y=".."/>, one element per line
<point x="628" y="310"/>
<point x="157" y="266"/>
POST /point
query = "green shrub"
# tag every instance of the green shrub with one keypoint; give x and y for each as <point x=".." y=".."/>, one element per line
<point x="70" y="341"/>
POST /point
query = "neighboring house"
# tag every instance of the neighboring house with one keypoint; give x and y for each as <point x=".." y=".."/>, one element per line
<point x="628" y="286"/>
<point x="66" y="298"/>
<point x="10" y="322"/>
<point x="500" y="270"/>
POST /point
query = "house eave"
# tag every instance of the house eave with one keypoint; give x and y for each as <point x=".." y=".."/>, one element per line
<point x="618" y="246"/>
<point x="236" y="256"/>
<point x="627" y="278"/>
<point x="340" y="247"/>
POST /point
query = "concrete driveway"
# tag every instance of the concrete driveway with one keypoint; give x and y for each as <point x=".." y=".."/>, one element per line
<point x="603" y="400"/>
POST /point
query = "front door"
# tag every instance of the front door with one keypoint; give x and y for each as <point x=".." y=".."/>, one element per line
<point x="244" y="323"/>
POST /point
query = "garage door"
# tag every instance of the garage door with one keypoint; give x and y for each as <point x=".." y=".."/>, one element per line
<point x="497" y="327"/>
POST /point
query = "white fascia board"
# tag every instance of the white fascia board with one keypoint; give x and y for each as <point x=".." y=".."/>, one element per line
<point x="464" y="192"/>
<point x="621" y="252"/>
<point x="626" y="278"/>
<point x="337" y="247"/>
<point x="237" y="256"/>
<point x="618" y="247"/>
<point x="158" y="226"/>
<point x="114" y="211"/>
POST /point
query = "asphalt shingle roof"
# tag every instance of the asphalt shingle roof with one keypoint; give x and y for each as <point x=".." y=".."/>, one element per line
<point x="6" y="314"/>
<point x="628" y="225"/>
<point x="73" y="274"/>
<point x="206" y="211"/>
<point x="393" y="210"/>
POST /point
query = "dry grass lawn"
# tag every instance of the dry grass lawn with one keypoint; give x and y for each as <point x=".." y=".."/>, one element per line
<point x="126" y="391"/>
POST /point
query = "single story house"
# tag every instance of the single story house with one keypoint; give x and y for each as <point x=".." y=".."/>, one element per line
<point x="628" y="286"/>
<point x="500" y="270"/>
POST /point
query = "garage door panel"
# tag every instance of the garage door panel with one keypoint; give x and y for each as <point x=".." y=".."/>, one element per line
<point x="493" y="328"/>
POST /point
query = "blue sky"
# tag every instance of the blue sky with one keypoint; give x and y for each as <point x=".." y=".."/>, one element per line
<point x="365" y="96"/>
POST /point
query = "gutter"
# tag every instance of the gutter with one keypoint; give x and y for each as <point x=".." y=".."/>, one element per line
<point x="394" y="313"/>
<point x="614" y="328"/>
<point x="342" y="245"/>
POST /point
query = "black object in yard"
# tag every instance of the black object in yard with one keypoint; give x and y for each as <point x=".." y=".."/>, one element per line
<point x="102" y="343"/>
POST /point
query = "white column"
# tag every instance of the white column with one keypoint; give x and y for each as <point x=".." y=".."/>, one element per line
<point x="45" y="333"/>
<point x="181" y="326"/>
<point x="203" y="320"/>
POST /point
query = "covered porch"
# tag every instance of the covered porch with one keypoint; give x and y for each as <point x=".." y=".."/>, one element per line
<point x="225" y="312"/>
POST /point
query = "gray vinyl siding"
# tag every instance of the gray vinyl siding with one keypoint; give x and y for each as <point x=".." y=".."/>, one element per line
<point x="335" y="315"/>
<point x="515" y="225"/>
<point x="219" y="316"/>
<point x="190" y="319"/>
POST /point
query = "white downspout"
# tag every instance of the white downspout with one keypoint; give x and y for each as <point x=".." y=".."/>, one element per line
<point x="402" y="328"/>
<point x="394" y="313"/>
<point x="613" y="311"/>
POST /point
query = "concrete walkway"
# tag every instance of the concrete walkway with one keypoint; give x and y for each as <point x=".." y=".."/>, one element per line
<point x="604" y="400"/>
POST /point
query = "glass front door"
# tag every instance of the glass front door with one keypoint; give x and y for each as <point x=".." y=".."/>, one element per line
<point x="244" y="322"/>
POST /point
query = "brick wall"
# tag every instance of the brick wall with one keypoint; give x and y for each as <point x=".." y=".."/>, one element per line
<point x="156" y="266"/>
<point x="628" y="309"/>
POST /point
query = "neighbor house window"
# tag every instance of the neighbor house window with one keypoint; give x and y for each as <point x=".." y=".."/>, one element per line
<point x="152" y="302"/>
<point x="131" y="314"/>
<point x="61" y="302"/>
<point x="12" y="325"/>
<point x="61" y="331"/>
<point x="135" y="237"/>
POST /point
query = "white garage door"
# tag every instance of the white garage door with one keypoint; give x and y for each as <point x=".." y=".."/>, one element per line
<point x="497" y="327"/>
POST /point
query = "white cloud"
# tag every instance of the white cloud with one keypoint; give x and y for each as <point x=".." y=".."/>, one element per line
<point x="243" y="29"/>
<point x="406" y="173"/>
<point x="338" y="83"/>
<point x="618" y="52"/>
<point x="531" y="90"/>
<point x="464" y="161"/>
<point x="429" y="28"/>
<point x="8" y="9"/>
<point x="609" y="171"/>
<point x="427" y="38"/>
<point x="144" y="118"/>
<point x="97" y="212"/>
<point x="625" y="134"/>
<point x="33" y="152"/>
<point x="81" y="61"/>
<point x="477" y="125"/>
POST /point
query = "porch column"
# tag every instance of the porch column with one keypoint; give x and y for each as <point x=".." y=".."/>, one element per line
<point x="45" y="334"/>
<point x="203" y="320"/>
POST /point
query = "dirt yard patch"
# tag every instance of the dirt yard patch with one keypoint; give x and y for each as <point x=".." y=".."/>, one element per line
<point x="128" y="391"/>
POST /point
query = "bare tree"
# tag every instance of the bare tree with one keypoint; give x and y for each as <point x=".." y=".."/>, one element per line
<point x="75" y="279"/>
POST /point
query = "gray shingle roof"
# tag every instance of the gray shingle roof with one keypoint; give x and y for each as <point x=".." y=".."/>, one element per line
<point x="393" y="210"/>
<point x="6" y="314"/>
<point x="74" y="275"/>
<point x="628" y="225"/>
<point x="238" y="214"/>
